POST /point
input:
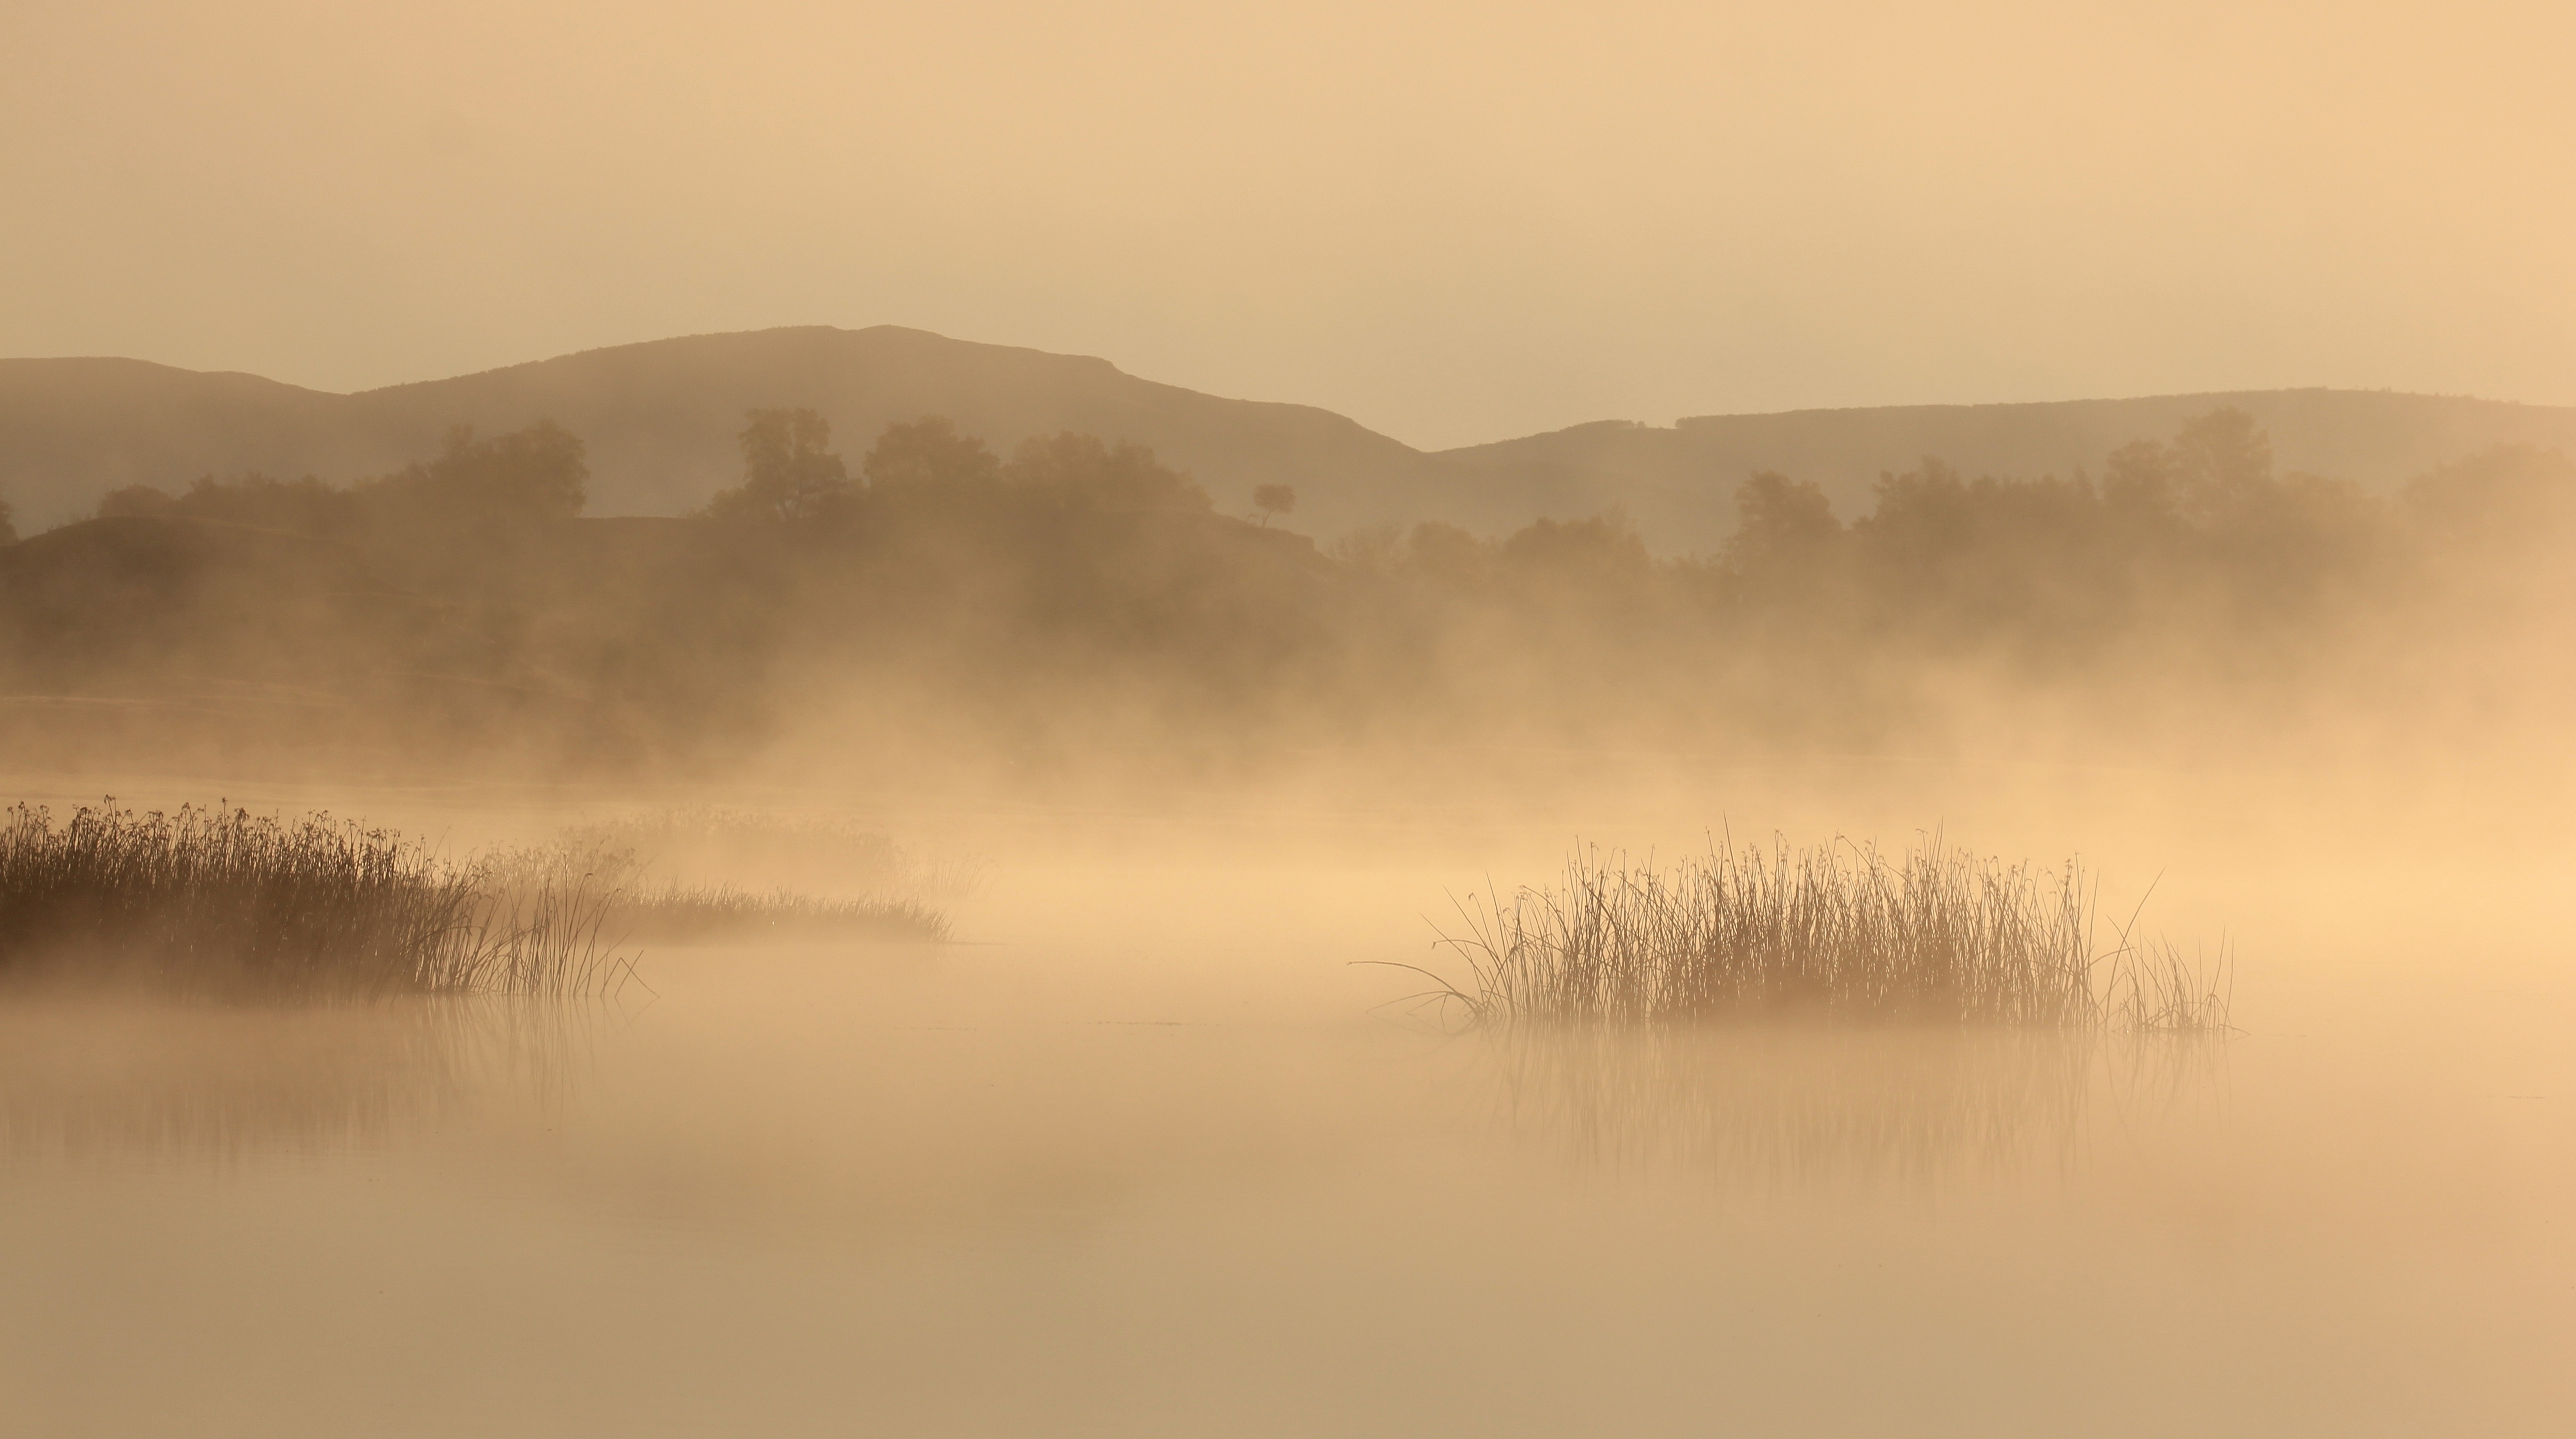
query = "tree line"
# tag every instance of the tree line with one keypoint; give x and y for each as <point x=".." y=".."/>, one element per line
<point x="1078" y="590"/>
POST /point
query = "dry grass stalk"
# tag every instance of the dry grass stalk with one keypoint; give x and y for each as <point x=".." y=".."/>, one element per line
<point x="222" y="900"/>
<point x="1938" y="935"/>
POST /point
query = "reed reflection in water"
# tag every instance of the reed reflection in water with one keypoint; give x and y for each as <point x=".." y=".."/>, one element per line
<point x="1813" y="1107"/>
<point x="100" y="1079"/>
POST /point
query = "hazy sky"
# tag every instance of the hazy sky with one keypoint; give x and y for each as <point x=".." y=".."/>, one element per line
<point x="1452" y="222"/>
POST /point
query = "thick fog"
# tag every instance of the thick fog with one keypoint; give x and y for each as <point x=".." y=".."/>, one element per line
<point x="782" y="873"/>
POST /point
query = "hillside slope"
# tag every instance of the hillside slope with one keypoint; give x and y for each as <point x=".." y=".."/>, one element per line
<point x="1678" y="483"/>
<point x="73" y="429"/>
<point x="659" y="419"/>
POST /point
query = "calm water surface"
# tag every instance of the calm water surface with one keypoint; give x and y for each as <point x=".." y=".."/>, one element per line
<point x="1137" y="1159"/>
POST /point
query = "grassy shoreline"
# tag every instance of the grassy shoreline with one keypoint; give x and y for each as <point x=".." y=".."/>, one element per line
<point x="223" y="902"/>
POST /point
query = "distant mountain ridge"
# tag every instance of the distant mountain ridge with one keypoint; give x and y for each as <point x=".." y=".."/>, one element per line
<point x="1681" y="481"/>
<point x="659" y="419"/>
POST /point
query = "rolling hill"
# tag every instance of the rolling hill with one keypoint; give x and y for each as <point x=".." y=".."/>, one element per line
<point x="1678" y="483"/>
<point x="659" y="419"/>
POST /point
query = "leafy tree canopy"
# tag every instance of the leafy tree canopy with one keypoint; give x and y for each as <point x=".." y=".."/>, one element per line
<point x="788" y="470"/>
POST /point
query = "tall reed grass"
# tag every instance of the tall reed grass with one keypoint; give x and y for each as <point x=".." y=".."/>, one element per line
<point x="1935" y="935"/>
<point x="224" y="900"/>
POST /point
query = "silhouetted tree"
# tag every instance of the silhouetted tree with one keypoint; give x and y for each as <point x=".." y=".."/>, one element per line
<point x="2504" y="495"/>
<point x="1073" y="469"/>
<point x="135" y="500"/>
<point x="2495" y="529"/>
<point x="1601" y="554"/>
<point x="303" y="506"/>
<point x="2218" y="463"/>
<point x="1780" y="525"/>
<point x="471" y="486"/>
<point x="1370" y="549"/>
<point x="2222" y="461"/>
<point x="1270" y="500"/>
<point x="928" y="453"/>
<point x="1062" y="587"/>
<point x="788" y="473"/>
<point x="2141" y="483"/>
<point x="1448" y="556"/>
<point x="537" y="473"/>
<point x="8" y="524"/>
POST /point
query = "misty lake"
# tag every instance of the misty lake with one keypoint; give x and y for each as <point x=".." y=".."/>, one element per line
<point x="1377" y="721"/>
<point x="1135" y="1154"/>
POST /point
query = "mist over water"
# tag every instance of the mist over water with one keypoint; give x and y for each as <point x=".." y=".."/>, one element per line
<point x="1133" y="1154"/>
<point x="1138" y="720"/>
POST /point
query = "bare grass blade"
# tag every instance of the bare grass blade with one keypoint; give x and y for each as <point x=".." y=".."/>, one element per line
<point x="1935" y="935"/>
<point x="219" y="900"/>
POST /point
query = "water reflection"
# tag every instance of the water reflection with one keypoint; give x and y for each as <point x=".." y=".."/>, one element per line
<point x="97" y="1079"/>
<point x="1846" y="1108"/>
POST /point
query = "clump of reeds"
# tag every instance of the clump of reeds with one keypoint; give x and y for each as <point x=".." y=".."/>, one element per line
<point x="225" y="900"/>
<point x="685" y="913"/>
<point x="1938" y="935"/>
